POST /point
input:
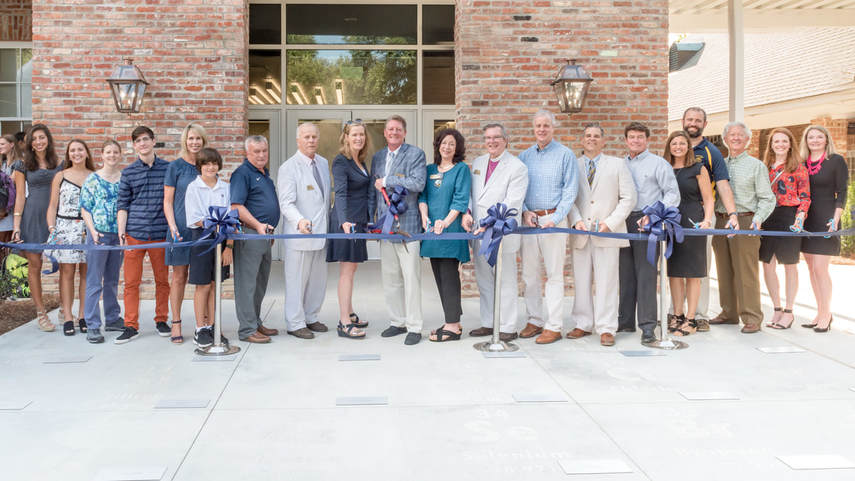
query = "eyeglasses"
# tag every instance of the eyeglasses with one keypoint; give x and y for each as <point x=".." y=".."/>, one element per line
<point x="348" y="123"/>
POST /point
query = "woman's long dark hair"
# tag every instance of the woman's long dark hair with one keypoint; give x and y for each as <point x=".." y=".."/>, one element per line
<point x="459" y="150"/>
<point x="31" y="163"/>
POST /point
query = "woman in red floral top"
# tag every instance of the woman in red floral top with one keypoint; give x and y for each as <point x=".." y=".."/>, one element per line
<point x="791" y="185"/>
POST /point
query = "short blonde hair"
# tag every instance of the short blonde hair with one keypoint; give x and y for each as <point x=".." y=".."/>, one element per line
<point x="829" y="143"/>
<point x="200" y="131"/>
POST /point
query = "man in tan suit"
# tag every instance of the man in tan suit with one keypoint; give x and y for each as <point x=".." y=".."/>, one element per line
<point x="605" y="199"/>
<point x="497" y="176"/>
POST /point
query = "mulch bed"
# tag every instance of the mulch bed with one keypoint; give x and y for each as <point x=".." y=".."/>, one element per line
<point x="17" y="313"/>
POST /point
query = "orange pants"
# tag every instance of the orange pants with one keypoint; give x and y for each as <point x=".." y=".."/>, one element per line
<point x="133" y="277"/>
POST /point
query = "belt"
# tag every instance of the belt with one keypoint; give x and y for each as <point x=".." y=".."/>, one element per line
<point x="541" y="213"/>
<point x="738" y="214"/>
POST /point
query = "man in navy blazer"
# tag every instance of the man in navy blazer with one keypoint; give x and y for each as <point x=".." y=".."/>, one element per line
<point x="401" y="164"/>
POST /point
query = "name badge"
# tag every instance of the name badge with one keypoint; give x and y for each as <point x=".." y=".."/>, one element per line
<point x="436" y="176"/>
<point x="399" y="175"/>
<point x="476" y="172"/>
<point x="310" y="187"/>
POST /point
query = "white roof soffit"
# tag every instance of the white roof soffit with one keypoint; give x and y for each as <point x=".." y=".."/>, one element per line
<point x="711" y="15"/>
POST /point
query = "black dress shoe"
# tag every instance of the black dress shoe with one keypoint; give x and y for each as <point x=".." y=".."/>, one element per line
<point x="647" y="336"/>
<point x="412" y="338"/>
<point x="393" y="331"/>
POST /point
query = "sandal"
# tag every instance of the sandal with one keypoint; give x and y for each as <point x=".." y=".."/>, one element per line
<point x="674" y="322"/>
<point x="44" y="321"/>
<point x="354" y="321"/>
<point x="347" y="331"/>
<point x="81" y="324"/>
<point x="179" y="339"/>
<point x="68" y="328"/>
<point x="443" y="335"/>
<point x="775" y="318"/>
<point x="689" y="326"/>
<point x="781" y="325"/>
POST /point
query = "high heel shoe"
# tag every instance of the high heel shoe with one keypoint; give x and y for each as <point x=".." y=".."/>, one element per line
<point x="780" y="325"/>
<point x="775" y="318"/>
<point x="347" y="331"/>
<point x="826" y="328"/>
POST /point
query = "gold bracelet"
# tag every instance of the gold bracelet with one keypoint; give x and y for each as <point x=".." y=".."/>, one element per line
<point x="18" y="213"/>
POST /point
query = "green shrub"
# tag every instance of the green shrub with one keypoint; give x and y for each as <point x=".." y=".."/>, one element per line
<point x="847" y="242"/>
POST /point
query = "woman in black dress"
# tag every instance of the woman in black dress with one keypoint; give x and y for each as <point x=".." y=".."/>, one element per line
<point x="688" y="262"/>
<point x="828" y="177"/>
<point x="352" y="183"/>
<point x="789" y="179"/>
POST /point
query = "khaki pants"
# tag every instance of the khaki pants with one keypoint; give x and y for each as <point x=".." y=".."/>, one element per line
<point x="737" y="262"/>
<point x="401" y="271"/>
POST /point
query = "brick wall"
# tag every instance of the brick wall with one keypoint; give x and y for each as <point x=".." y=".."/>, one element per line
<point x="507" y="52"/>
<point x="16" y="21"/>
<point x="192" y="53"/>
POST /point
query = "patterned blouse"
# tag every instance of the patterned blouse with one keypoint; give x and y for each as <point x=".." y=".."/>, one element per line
<point x="99" y="198"/>
<point x="791" y="188"/>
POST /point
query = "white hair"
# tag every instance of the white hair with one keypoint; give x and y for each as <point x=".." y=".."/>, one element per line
<point x="733" y="124"/>
<point x="544" y="114"/>
<point x="254" y="139"/>
<point x="307" y="125"/>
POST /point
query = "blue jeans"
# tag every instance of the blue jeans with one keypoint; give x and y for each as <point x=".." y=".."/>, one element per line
<point x="102" y="276"/>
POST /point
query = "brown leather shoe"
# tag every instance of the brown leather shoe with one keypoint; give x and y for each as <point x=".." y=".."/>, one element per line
<point x="530" y="330"/>
<point x="607" y="339"/>
<point x="577" y="333"/>
<point x="750" y="328"/>
<point x="717" y="320"/>
<point x="507" y="336"/>
<point x="547" y="337"/>
<point x="481" y="332"/>
<point x="317" y="326"/>
<point x="302" y="333"/>
<point x="267" y="331"/>
<point x="257" y="338"/>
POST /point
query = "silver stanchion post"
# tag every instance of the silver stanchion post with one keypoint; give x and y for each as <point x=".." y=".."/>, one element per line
<point x="665" y="341"/>
<point x="218" y="348"/>
<point x="495" y="344"/>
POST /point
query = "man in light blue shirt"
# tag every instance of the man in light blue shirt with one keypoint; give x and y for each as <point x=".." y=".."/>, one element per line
<point x="654" y="181"/>
<point x="552" y="187"/>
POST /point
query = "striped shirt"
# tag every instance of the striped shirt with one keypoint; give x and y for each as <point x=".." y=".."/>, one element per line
<point x="552" y="179"/>
<point x="141" y="196"/>
<point x="749" y="180"/>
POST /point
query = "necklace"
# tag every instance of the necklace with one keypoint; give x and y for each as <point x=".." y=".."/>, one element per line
<point x="815" y="167"/>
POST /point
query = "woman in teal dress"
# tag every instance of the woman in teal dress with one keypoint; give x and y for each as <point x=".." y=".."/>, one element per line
<point x="444" y="198"/>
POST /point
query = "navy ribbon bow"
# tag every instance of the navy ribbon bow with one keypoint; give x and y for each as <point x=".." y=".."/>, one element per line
<point x="227" y="221"/>
<point x="397" y="207"/>
<point x="664" y="225"/>
<point x="499" y="222"/>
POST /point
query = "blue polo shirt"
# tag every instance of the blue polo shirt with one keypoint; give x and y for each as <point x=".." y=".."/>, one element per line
<point x="141" y="195"/>
<point x="709" y="155"/>
<point x="255" y="190"/>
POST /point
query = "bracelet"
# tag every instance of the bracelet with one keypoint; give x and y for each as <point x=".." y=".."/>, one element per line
<point x="18" y="213"/>
<point x="230" y="246"/>
<point x="732" y="213"/>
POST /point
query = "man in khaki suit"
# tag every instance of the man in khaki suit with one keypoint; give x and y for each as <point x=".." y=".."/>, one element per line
<point x="605" y="199"/>
<point x="497" y="176"/>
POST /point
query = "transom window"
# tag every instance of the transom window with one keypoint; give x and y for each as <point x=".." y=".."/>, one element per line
<point x="16" y="97"/>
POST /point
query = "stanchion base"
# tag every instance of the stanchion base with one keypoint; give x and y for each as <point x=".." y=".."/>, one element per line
<point x="224" y="350"/>
<point x="667" y="343"/>
<point x="500" y="346"/>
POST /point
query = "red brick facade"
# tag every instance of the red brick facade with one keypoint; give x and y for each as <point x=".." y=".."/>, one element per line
<point x="16" y="21"/>
<point x="194" y="54"/>
<point x="508" y="51"/>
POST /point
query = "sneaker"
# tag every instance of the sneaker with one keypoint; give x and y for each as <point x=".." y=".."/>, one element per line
<point x="94" y="336"/>
<point x="204" y="337"/>
<point x="703" y="325"/>
<point x="163" y="329"/>
<point x="127" y="335"/>
<point x="114" y="327"/>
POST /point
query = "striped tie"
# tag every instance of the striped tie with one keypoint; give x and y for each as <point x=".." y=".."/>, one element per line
<point x="592" y="168"/>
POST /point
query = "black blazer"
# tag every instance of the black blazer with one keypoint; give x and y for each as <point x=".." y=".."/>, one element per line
<point x="352" y="187"/>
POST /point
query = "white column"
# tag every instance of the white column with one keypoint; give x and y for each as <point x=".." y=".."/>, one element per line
<point x="736" y="41"/>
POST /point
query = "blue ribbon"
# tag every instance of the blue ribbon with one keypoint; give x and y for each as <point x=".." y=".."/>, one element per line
<point x="499" y="222"/>
<point x="397" y="206"/>
<point x="226" y="220"/>
<point x="664" y="225"/>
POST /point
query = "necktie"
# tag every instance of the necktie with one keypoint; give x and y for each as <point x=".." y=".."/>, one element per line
<point x="390" y="161"/>
<point x="592" y="168"/>
<point x="317" y="175"/>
